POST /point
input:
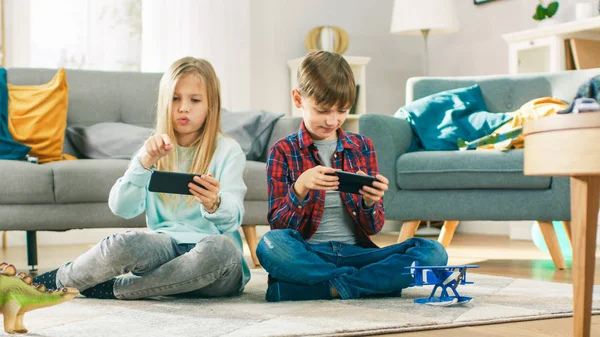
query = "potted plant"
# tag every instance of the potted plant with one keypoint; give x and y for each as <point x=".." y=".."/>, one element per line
<point x="541" y="12"/>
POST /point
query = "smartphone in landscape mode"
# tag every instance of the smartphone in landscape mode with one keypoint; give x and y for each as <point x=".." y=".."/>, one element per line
<point x="171" y="182"/>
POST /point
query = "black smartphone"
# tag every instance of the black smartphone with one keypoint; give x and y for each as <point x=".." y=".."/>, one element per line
<point x="171" y="182"/>
<point x="353" y="182"/>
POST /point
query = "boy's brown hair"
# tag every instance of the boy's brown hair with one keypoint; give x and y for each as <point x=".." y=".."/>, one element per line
<point x="328" y="79"/>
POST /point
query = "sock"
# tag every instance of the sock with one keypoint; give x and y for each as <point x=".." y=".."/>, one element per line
<point x="286" y="291"/>
<point x="47" y="279"/>
<point x="102" y="291"/>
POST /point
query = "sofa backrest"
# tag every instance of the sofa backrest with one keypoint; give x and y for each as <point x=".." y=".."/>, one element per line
<point x="504" y="93"/>
<point x="98" y="96"/>
<point x="284" y="127"/>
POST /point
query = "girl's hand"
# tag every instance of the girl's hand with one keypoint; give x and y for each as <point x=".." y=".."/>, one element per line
<point x="209" y="195"/>
<point x="157" y="146"/>
<point x="371" y="195"/>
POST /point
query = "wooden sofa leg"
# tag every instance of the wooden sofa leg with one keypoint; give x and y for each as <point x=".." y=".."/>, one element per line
<point x="447" y="232"/>
<point x="567" y="225"/>
<point x="252" y="240"/>
<point x="408" y="230"/>
<point x="549" y="234"/>
<point x="4" y="243"/>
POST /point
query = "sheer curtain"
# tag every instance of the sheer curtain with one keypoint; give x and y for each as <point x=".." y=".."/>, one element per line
<point x="86" y="34"/>
<point x="218" y="31"/>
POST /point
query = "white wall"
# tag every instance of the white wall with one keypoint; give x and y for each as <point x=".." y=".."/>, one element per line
<point x="278" y="29"/>
<point x="478" y="48"/>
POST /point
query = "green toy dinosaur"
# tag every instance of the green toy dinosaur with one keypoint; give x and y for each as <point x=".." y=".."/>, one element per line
<point x="18" y="296"/>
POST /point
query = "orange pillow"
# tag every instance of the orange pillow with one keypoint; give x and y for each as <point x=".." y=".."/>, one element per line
<point x="37" y="116"/>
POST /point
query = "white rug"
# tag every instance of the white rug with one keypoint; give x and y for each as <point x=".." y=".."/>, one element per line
<point x="496" y="300"/>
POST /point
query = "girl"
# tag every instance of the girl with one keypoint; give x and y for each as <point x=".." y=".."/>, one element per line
<point x="193" y="245"/>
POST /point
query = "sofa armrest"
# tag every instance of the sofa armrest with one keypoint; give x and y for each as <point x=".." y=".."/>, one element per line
<point x="391" y="138"/>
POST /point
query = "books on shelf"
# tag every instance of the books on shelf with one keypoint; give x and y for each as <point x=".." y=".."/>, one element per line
<point x="582" y="54"/>
<point x="354" y="106"/>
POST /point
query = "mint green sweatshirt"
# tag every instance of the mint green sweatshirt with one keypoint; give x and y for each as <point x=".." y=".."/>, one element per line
<point x="188" y="223"/>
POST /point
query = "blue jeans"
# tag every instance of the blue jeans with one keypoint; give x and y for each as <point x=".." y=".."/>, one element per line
<point x="354" y="271"/>
<point x="158" y="265"/>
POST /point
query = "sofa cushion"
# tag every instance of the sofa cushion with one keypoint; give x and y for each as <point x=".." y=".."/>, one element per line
<point x="251" y="129"/>
<point x="435" y="170"/>
<point x="25" y="183"/>
<point x="108" y="140"/>
<point x="255" y="178"/>
<point x="85" y="180"/>
<point x="38" y="116"/>
<point x="440" y="120"/>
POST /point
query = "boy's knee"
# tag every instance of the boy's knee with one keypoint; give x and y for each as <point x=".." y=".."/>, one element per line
<point x="439" y="257"/>
<point x="271" y="243"/>
<point x="275" y="237"/>
<point x="265" y="245"/>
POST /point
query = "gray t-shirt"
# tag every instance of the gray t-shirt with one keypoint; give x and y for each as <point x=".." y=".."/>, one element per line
<point x="337" y="224"/>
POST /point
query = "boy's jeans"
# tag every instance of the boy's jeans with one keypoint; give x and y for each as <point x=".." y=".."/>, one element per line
<point x="353" y="271"/>
<point x="212" y="267"/>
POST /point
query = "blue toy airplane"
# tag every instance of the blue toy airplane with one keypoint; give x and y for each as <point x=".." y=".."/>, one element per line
<point x="444" y="277"/>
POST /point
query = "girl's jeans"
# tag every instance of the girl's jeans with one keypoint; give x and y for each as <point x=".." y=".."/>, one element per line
<point x="354" y="271"/>
<point x="159" y="266"/>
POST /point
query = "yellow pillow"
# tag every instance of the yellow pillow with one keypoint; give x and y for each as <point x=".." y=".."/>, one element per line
<point x="37" y="116"/>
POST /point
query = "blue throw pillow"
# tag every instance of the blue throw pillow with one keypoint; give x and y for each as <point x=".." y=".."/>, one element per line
<point x="439" y="120"/>
<point x="9" y="149"/>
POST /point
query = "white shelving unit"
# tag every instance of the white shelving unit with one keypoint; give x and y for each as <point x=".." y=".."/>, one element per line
<point x="543" y="49"/>
<point x="358" y="65"/>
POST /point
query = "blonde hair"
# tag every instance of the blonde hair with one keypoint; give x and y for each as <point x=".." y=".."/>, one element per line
<point x="204" y="146"/>
<point x="328" y="79"/>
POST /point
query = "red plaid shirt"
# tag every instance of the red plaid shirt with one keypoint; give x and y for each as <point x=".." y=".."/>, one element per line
<point x="291" y="156"/>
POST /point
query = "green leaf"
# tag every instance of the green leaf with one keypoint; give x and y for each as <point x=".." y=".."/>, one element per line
<point x="552" y="8"/>
<point x="540" y="13"/>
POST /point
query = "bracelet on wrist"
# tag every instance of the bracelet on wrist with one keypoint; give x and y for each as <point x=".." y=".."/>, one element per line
<point x="215" y="205"/>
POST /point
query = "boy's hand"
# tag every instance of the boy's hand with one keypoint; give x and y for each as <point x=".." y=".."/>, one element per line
<point x="157" y="146"/>
<point x="372" y="194"/>
<point x="316" y="178"/>
<point x="209" y="195"/>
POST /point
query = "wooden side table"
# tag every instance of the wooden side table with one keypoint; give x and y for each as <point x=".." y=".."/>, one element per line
<point x="569" y="145"/>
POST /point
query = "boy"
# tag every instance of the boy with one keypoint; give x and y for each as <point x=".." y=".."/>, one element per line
<point x="319" y="245"/>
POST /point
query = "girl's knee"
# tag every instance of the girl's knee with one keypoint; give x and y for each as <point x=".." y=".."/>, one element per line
<point x="222" y="245"/>
<point x="119" y="243"/>
<point x="122" y="247"/>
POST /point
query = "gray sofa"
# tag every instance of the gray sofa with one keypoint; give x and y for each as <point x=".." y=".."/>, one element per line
<point x="66" y="195"/>
<point x="471" y="185"/>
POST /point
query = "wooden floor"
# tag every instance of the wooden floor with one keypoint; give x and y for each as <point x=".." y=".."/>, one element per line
<point x="495" y="255"/>
<point x="503" y="257"/>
